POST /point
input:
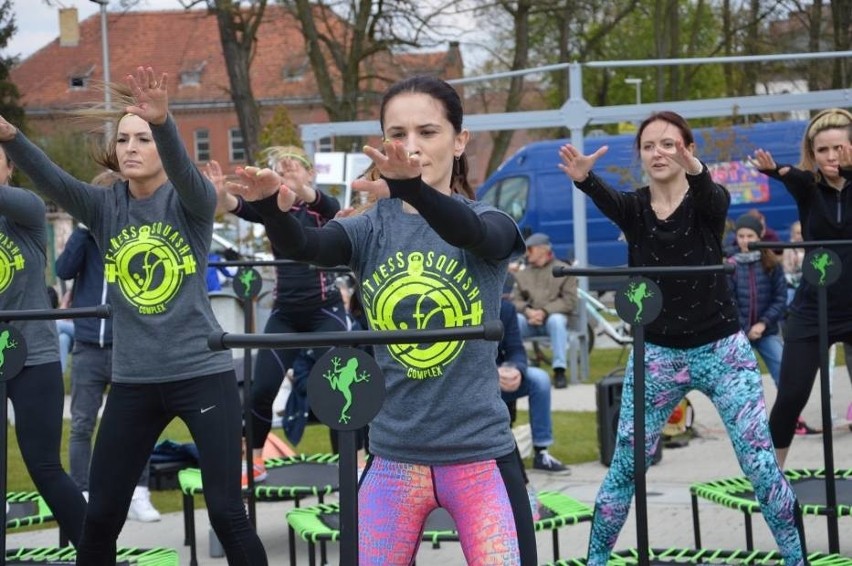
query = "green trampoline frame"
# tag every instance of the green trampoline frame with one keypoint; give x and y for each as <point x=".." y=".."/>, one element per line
<point x="190" y="483"/>
<point x="43" y="515"/>
<point x="728" y="492"/>
<point x="67" y="555"/>
<point x="630" y="557"/>
<point x="308" y="524"/>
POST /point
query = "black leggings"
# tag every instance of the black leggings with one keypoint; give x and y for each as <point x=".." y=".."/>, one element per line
<point x="133" y="419"/>
<point x="38" y="394"/>
<point x="273" y="364"/>
<point x="799" y="367"/>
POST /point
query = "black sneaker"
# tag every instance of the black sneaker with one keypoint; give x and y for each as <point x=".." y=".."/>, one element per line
<point x="544" y="461"/>
<point x="560" y="381"/>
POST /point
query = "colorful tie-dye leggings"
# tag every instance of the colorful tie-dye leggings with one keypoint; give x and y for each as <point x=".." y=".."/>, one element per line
<point x="486" y="500"/>
<point x="727" y="372"/>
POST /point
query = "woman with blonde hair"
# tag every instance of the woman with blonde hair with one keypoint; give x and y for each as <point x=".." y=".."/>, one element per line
<point x="821" y="185"/>
<point x="306" y="299"/>
<point x="154" y="229"/>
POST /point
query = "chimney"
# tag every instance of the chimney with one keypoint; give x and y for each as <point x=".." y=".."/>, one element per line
<point x="69" y="28"/>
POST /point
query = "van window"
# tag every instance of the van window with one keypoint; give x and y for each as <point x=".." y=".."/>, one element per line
<point x="510" y="196"/>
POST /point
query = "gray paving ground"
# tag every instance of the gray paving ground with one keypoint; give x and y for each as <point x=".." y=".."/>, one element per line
<point x="705" y="458"/>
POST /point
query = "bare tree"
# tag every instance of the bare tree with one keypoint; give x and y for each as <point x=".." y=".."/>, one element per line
<point x="238" y="23"/>
<point x="351" y="47"/>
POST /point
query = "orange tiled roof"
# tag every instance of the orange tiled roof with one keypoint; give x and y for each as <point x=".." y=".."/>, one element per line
<point x="176" y="41"/>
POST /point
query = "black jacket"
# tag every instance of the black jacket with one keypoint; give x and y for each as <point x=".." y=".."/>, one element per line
<point x="81" y="261"/>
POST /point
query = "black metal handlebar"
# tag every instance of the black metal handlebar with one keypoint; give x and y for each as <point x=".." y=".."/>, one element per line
<point x="492" y="331"/>
<point x="563" y="271"/>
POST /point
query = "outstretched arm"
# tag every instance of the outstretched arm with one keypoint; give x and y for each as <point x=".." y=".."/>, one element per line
<point x="49" y="179"/>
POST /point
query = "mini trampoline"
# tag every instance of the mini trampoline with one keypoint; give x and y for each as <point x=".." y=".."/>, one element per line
<point x="288" y="479"/>
<point x="67" y="555"/>
<point x="691" y="556"/>
<point x="26" y="508"/>
<point x="321" y="523"/>
<point x="737" y="493"/>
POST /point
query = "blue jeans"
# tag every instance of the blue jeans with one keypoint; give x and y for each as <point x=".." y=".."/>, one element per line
<point x="770" y="349"/>
<point x="90" y="376"/>
<point x="536" y="385"/>
<point x="556" y="327"/>
<point x="65" y="329"/>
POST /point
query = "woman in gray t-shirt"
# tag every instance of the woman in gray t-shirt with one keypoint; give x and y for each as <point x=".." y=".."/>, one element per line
<point x="427" y="257"/>
<point x="37" y="391"/>
<point x="154" y="229"/>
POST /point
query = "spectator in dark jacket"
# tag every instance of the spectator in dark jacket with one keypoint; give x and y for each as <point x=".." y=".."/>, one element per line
<point x="518" y="379"/>
<point x="760" y="291"/>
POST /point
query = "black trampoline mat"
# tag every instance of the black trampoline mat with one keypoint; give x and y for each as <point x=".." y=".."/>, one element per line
<point x="811" y="491"/>
<point x="302" y="474"/>
<point x="22" y="510"/>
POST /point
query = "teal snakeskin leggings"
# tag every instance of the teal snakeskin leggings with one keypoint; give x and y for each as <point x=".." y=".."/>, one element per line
<point x="727" y="372"/>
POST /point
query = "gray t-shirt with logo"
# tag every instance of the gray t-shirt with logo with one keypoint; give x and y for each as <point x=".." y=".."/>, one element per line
<point x="23" y="237"/>
<point x="443" y="402"/>
<point x="155" y="260"/>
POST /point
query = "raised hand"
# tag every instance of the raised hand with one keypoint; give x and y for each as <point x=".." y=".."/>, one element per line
<point x="297" y="178"/>
<point x="7" y="130"/>
<point x="152" y="98"/>
<point x="254" y="183"/>
<point x="225" y="201"/>
<point x="576" y="165"/>
<point x="683" y="157"/>
<point x="845" y="158"/>
<point x="378" y="188"/>
<point x="762" y="159"/>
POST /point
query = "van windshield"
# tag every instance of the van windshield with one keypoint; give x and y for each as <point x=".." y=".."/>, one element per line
<point x="509" y="195"/>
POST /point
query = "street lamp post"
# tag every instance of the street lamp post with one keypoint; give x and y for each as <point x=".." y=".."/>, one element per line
<point x="637" y="82"/>
<point x="105" y="56"/>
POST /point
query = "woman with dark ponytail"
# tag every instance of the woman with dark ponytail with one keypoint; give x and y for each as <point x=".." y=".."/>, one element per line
<point x="427" y="257"/>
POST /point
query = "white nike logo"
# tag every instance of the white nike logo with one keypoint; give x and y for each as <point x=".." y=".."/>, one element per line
<point x="207" y="409"/>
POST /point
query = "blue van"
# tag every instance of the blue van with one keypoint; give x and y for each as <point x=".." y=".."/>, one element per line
<point x="531" y="188"/>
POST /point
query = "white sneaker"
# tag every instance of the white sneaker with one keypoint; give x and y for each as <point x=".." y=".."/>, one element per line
<point x="141" y="508"/>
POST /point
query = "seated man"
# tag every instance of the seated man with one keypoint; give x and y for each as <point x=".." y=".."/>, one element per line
<point x="518" y="379"/>
<point x="545" y="302"/>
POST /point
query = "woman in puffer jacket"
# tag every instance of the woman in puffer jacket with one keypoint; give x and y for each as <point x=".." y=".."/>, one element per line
<point x="760" y="291"/>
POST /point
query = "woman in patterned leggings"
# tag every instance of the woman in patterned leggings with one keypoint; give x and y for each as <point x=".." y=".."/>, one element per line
<point x="696" y="342"/>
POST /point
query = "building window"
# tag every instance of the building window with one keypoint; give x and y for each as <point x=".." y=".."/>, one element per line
<point x="295" y="68"/>
<point x="79" y="78"/>
<point x="325" y="144"/>
<point x="202" y="145"/>
<point x="236" y="145"/>
<point x="190" y="75"/>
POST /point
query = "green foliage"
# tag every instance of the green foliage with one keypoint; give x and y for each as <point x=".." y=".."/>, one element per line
<point x="280" y="130"/>
<point x="9" y="95"/>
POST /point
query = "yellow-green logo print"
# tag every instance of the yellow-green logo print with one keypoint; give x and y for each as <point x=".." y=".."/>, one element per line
<point x="420" y="291"/>
<point x="149" y="263"/>
<point x="11" y="261"/>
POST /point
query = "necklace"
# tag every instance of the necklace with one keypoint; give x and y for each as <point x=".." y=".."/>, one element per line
<point x="664" y="210"/>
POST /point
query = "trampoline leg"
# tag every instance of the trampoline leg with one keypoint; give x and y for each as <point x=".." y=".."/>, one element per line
<point x="749" y="534"/>
<point x="696" y="523"/>
<point x="63" y="539"/>
<point x="312" y="559"/>
<point x="291" y="534"/>
<point x="189" y="519"/>
<point x="800" y="526"/>
<point x="555" y="545"/>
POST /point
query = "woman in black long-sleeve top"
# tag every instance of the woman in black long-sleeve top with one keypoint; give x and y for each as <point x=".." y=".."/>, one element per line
<point x="822" y="188"/>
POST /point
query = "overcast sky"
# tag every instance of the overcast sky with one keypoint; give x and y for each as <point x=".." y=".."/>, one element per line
<point x="38" y="23"/>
